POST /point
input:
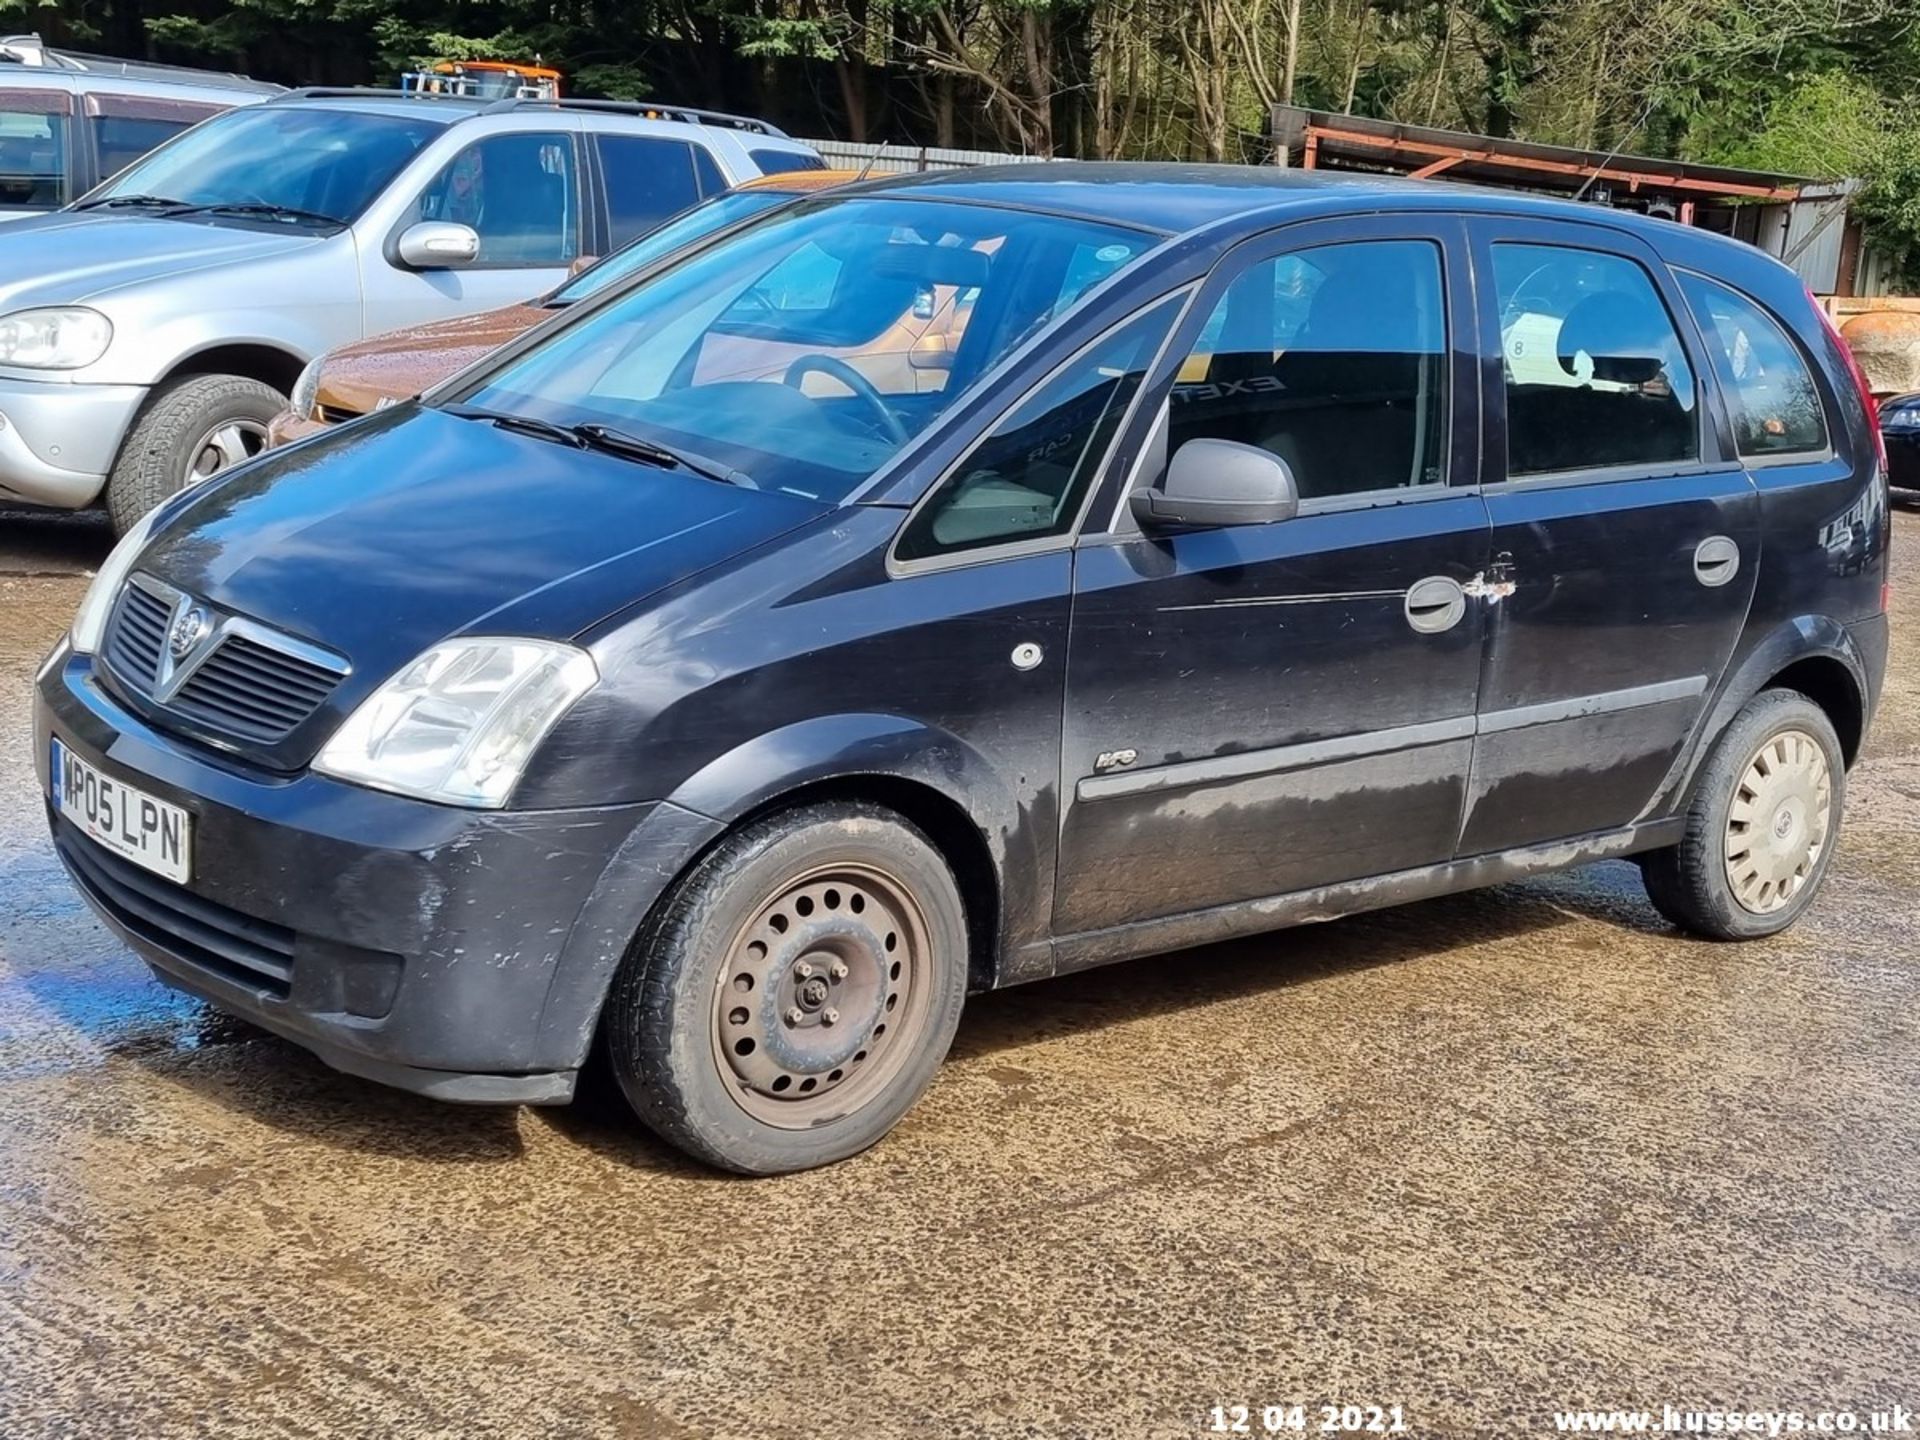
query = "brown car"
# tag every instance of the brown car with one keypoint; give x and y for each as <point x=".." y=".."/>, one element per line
<point x="374" y="373"/>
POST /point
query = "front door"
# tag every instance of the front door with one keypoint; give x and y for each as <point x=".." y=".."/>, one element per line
<point x="1262" y="709"/>
<point x="521" y="194"/>
<point x="1625" y="543"/>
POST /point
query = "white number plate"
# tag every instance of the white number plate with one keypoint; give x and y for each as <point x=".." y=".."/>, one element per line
<point x="129" y="822"/>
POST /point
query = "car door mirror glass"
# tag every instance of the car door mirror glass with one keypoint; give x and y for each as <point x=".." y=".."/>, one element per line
<point x="438" y="245"/>
<point x="1218" y="482"/>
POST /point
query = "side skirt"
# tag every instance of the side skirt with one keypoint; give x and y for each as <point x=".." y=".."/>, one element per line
<point x="1093" y="948"/>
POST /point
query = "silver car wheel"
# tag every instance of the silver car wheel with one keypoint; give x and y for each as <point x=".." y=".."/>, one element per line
<point x="1779" y="821"/>
<point x="224" y="446"/>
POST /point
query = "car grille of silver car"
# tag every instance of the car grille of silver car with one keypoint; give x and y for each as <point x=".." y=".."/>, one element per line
<point x="226" y="674"/>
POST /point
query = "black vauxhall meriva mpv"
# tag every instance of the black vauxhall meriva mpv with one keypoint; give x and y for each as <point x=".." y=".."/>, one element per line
<point x="960" y="580"/>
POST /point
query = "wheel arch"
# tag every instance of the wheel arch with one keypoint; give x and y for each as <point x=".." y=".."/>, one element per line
<point x="928" y="776"/>
<point x="1812" y="654"/>
<point x="273" y="365"/>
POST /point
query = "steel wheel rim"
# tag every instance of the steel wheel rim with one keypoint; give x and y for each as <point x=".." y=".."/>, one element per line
<point x="230" y="443"/>
<point x="1779" y="822"/>
<point x="816" y="1011"/>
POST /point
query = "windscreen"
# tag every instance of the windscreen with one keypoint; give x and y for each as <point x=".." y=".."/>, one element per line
<point x="329" y="163"/>
<point x="805" y="350"/>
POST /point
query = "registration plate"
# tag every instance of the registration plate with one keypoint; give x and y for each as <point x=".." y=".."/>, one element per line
<point x="116" y="816"/>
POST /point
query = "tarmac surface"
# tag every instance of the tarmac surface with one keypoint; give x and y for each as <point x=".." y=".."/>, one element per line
<point x="1485" y="1158"/>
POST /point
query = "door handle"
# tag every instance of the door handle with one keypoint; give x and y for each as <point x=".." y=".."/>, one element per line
<point x="1435" y="604"/>
<point x="1716" y="560"/>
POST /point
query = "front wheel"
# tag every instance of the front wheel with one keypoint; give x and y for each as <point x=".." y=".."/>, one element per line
<point x="1762" y="825"/>
<point x="193" y="429"/>
<point x="795" y="993"/>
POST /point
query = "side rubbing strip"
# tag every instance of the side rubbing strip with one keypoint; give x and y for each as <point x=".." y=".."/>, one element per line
<point x="1275" y="759"/>
<point x="1580" y="706"/>
<point x="1280" y="758"/>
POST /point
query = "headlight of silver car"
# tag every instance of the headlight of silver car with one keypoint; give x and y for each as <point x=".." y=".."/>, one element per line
<point x="459" y="724"/>
<point x="306" y="390"/>
<point x="90" y="621"/>
<point x="60" y="338"/>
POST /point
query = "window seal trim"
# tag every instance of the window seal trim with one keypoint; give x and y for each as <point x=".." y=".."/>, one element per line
<point x="1610" y="474"/>
<point x="1067" y="538"/>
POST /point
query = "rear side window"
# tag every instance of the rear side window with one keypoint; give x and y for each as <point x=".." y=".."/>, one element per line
<point x="647" y="181"/>
<point x="1595" y="371"/>
<point x="1333" y="359"/>
<point x="1776" y="406"/>
<point x="33" y="149"/>
<point x="1026" y="480"/>
<point x="779" y="162"/>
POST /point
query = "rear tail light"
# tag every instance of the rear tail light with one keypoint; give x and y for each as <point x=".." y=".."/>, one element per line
<point x="1867" y="402"/>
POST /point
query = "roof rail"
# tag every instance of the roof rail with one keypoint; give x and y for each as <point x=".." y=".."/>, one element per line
<point x="644" y="109"/>
<point x="648" y="110"/>
<point x="30" y="50"/>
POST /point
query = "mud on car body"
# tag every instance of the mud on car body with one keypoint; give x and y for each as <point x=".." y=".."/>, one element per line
<point x="745" y="726"/>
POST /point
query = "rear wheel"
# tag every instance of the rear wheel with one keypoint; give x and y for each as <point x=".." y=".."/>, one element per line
<point x="1761" y="827"/>
<point x="194" y="428"/>
<point x="796" y="992"/>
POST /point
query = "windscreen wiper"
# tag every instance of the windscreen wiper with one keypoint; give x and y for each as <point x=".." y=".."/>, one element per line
<point x="266" y="211"/>
<point x="524" y="424"/>
<point x="133" y="202"/>
<point x="633" y="447"/>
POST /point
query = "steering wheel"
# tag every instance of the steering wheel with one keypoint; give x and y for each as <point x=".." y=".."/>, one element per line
<point x="856" y="382"/>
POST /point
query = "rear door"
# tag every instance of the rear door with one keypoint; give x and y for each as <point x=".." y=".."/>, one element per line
<point x="1625" y="533"/>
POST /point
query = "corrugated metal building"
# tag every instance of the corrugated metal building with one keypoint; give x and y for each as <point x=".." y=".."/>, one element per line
<point x="1802" y="222"/>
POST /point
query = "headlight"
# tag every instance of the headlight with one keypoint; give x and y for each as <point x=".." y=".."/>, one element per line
<point x="459" y="724"/>
<point x="90" y="621"/>
<point x="1900" y="419"/>
<point x="66" y="338"/>
<point x="306" y="390"/>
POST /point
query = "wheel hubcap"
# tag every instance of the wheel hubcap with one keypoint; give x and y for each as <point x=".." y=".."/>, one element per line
<point x="223" y="447"/>
<point x="1778" y="823"/>
<point x="823" y="995"/>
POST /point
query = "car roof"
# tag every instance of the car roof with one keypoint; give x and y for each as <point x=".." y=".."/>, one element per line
<point x="800" y="182"/>
<point x="210" y="87"/>
<point x="1176" y="199"/>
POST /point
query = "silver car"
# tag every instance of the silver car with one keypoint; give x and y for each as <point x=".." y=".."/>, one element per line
<point x="149" y="332"/>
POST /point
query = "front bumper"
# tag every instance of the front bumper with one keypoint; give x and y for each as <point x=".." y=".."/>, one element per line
<point x="58" y="441"/>
<point x="461" y="954"/>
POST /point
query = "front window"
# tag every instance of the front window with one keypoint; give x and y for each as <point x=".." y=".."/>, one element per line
<point x="805" y="351"/>
<point x="681" y="231"/>
<point x="517" y="193"/>
<point x="326" y="164"/>
<point x="1333" y="359"/>
<point x="33" y="150"/>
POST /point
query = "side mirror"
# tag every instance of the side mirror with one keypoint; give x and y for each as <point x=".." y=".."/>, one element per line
<point x="1218" y="482"/>
<point x="931" y="352"/>
<point x="438" y="245"/>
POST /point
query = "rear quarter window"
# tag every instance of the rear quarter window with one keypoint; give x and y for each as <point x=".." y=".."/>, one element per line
<point x="1776" y="406"/>
<point x="780" y="162"/>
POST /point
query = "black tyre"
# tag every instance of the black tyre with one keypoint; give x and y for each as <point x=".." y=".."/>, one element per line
<point x="1761" y="827"/>
<point x="795" y="992"/>
<point x="192" y="429"/>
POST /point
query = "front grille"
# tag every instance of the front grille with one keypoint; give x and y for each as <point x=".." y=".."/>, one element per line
<point x="236" y="947"/>
<point x="242" y="681"/>
<point x="139" y="630"/>
<point x="253" y="692"/>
